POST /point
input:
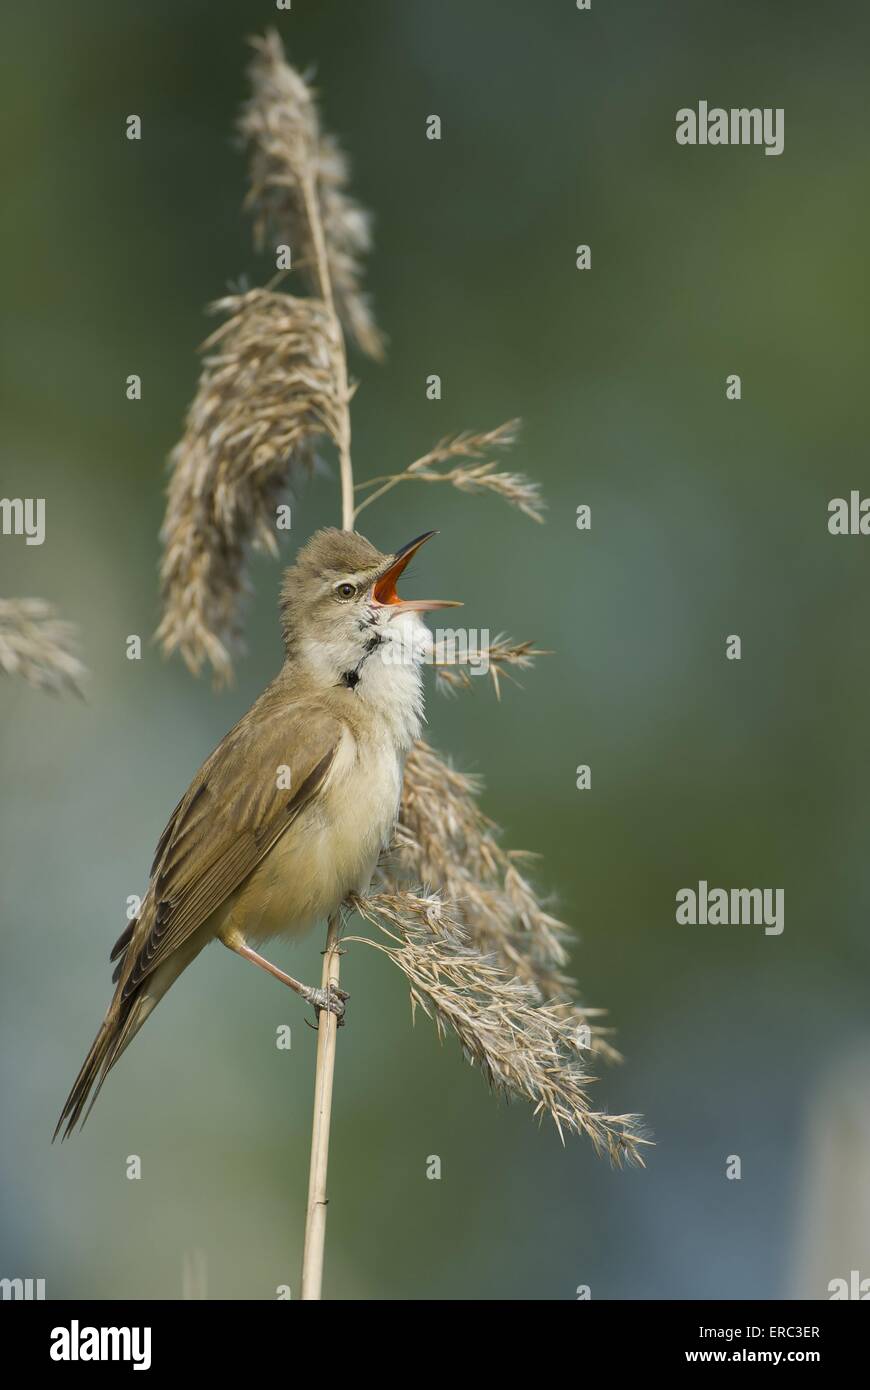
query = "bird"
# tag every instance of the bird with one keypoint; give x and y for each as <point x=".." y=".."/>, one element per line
<point x="291" y="812"/>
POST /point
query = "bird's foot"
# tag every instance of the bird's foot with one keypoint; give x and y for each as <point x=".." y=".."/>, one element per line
<point x="331" y="999"/>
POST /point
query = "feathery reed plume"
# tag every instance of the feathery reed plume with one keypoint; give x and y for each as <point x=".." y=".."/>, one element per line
<point x="498" y="660"/>
<point x="446" y="841"/>
<point x="523" y="1046"/>
<point x="38" y="646"/>
<point x="267" y="390"/>
<point x="276" y="375"/>
<point x="292" y="162"/>
<point x="475" y="477"/>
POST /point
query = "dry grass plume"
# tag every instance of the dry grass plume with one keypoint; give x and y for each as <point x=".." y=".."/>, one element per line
<point x="38" y="646"/>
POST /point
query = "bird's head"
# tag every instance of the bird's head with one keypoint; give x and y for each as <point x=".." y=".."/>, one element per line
<point x="340" y="606"/>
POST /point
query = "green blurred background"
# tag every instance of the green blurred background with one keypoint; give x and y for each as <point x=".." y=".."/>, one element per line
<point x="709" y="518"/>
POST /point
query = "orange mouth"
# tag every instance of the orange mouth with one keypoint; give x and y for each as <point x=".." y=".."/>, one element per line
<point x="384" y="593"/>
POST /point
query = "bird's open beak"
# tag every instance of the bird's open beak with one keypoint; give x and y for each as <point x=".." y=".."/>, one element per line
<point x="384" y="592"/>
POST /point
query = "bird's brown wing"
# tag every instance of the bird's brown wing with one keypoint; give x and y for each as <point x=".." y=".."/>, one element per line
<point x="237" y="806"/>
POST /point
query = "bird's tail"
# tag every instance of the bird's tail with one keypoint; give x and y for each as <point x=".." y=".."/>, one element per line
<point x="118" y="1028"/>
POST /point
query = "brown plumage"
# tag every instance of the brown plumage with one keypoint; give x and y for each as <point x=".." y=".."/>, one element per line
<point x="291" y="811"/>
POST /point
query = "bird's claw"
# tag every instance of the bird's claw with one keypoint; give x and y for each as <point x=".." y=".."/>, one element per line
<point x="331" y="999"/>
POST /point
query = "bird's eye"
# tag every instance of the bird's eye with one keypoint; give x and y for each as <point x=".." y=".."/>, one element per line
<point x="345" y="590"/>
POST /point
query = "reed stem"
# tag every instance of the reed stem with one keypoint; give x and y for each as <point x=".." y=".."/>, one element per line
<point x="315" y="1216"/>
<point x="327" y="1024"/>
